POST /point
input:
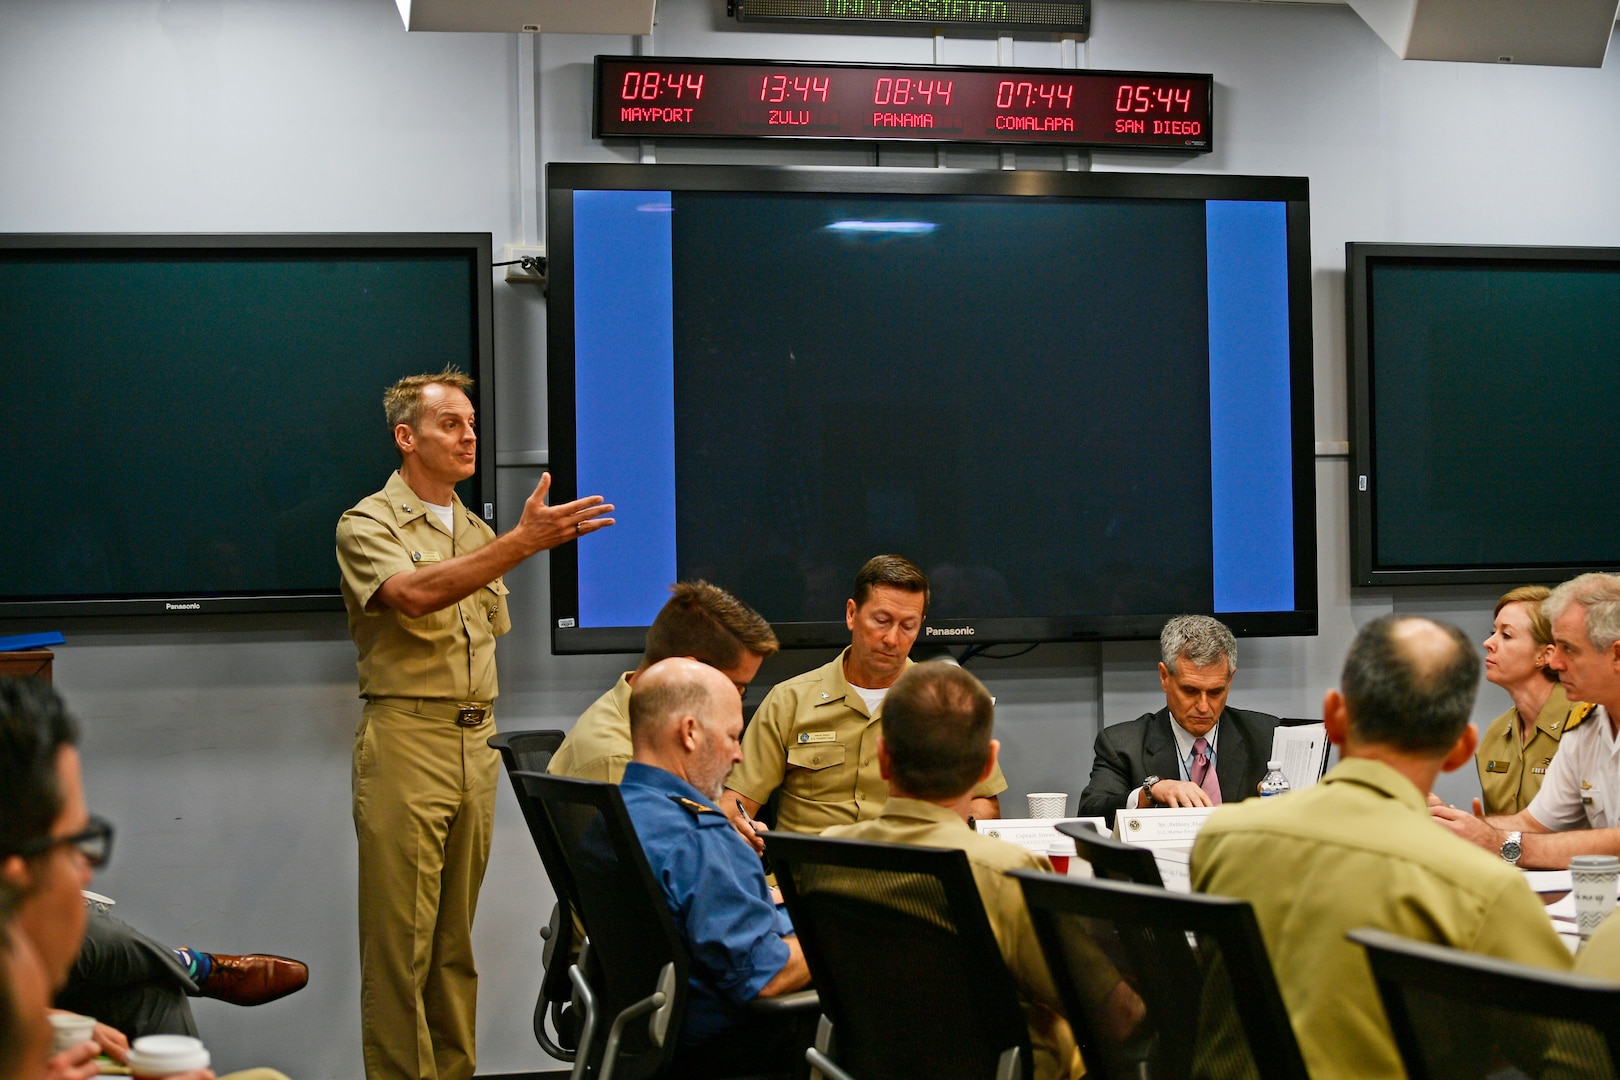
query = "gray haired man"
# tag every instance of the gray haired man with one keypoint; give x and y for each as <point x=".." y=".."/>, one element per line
<point x="1577" y="811"/>
<point x="1196" y="751"/>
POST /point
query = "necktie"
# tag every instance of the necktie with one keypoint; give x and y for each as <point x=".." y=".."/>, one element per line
<point x="1202" y="774"/>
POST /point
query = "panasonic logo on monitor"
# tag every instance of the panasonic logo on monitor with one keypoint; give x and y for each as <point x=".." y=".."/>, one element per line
<point x="947" y="631"/>
<point x="181" y="607"/>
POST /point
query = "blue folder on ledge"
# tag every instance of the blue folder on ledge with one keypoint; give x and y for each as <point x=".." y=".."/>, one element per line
<point x="30" y="641"/>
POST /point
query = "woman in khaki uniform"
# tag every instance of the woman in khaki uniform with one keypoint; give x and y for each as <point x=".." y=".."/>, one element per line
<point x="1519" y="745"/>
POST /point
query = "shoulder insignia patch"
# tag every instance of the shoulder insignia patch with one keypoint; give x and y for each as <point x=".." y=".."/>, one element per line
<point x="1577" y="714"/>
<point x="694" y="807"/>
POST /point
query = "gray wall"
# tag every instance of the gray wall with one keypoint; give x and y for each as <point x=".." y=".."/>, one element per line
<point x="221" y="749"/>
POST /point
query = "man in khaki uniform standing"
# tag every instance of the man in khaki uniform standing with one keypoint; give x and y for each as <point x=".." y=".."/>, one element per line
<point x="1359" y="849"/>
<point x="700" y="621"/>
<point x="422" y="585"/>
<point x="815" y="736"/>
<point x="934" y="752"/>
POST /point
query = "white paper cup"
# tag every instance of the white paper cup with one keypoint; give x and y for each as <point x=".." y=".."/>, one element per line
<point x="1596" y="878"/>
<point x="69" y="1030"/>
<point x="1047" y="804"/>
<point x="153" y="1056"/>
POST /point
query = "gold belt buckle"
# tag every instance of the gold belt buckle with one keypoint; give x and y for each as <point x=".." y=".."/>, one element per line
<point x="470" y="715"/>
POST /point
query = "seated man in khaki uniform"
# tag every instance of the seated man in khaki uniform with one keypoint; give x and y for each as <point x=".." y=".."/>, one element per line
<point x="934" y="750"/>
<point x="816" y="736"/>
<point x="701" y="621"/>
<point x="1359" y="850"/>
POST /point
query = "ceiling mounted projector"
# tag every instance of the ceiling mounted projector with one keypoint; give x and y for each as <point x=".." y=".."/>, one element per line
<point x="1557" y="33"/>
<point x="530" y="16"/>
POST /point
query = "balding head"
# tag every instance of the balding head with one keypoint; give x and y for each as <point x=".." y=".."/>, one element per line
<point x="1409" y="685"/>
<point x="686" y="718"/>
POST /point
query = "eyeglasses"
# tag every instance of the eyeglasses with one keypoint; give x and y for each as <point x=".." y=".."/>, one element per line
<point x="94" y="843"/>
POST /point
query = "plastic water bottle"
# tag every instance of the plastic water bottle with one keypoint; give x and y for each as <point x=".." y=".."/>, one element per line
<point x="1275" y="782"/>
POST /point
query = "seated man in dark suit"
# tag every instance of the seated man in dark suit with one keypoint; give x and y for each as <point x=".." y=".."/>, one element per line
<point x="1195" y="751"/>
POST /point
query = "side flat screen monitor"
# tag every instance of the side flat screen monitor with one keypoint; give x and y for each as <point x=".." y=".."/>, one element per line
<point x="188" y="416"/>
<point x="1470" y="464"/>
<point x="1080" y="402"/>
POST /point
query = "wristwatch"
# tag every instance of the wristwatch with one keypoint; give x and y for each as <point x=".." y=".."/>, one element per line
<point x="1512" y="849"/>
<point x="1147" y="790"/>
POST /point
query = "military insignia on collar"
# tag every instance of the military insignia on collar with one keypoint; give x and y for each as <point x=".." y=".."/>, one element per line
<point x="694" y="807"/>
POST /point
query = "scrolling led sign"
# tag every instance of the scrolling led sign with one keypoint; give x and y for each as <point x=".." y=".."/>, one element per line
<point x="663" y="97"/>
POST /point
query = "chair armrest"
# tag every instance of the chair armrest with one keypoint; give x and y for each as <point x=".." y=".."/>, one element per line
<point x="800" y="1001"/>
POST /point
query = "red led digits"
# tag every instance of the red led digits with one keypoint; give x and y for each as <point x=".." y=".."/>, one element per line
<point x="1034" y="95"/>
<point x="902" y="91"/>
<point x="651" y="85"/>
<point x="776" y="89"/>
<point x="645" y="97"/>
<point x="1141" y="99"/>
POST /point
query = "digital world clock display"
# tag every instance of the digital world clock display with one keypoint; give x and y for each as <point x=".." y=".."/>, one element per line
<point x="663" y="97"/>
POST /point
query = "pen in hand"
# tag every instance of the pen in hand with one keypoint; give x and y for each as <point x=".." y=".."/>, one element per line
<point x="743" y="810"/>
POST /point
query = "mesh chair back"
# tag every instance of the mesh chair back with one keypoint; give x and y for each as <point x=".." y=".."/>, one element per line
<point x="1160" y="985"/>
<point x="1112" y="859"/>
<point x="593" y="848"/>
<point x="528" y="751"/>
<point x="531" y="752"/>
<point x="902" y="956"/>
<point x="1460" y="1015"/>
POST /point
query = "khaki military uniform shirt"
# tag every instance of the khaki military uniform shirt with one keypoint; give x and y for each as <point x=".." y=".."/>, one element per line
<point x="599" y="746"/>
<point x="1510" y="769"/>
<point x="446" y="655"/>
<point x="814" y="738"/>
<point x="1600" y="956"/>
<point x="925" y="824"/>
<point x="1357" y="850"/>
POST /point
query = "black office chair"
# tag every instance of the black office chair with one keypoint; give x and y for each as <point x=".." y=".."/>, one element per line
<point x="1460" y="1016"/>
<point x="1112" y="859"/>
<point x="1160" y="985"/>
<point x="911" y="980"/>
<point x="635" y="997"/>
<point x="531" y="751"/>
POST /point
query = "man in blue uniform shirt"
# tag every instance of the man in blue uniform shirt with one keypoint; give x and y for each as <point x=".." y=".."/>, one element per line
<point x="686" y="727"/>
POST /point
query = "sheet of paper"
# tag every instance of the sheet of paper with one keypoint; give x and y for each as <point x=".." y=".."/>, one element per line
<point x="1545" y="881"/>
<point x="1035" y="834"/>
<point x="1302" y="751"/>
<point x="1174" y="870"/>
<point x="1161" y="825"/>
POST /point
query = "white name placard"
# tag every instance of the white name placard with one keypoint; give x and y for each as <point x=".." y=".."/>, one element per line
<point x="1039" y="835"/>
<point x="1161" y="825"/>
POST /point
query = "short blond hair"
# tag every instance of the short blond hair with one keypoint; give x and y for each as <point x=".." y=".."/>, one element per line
<point x="402" y="402"/>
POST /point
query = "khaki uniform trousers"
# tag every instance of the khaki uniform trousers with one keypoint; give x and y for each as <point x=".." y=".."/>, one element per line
<point x="424" y="813"/>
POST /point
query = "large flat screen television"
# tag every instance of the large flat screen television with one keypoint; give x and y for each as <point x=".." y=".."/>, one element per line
<point x="187" y="416"/>
<point x="1470" y="463"/>
<point x="1081" y="402"/>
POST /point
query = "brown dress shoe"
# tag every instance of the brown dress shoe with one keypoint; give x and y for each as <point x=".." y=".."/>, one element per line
<point x="254" y="979"/>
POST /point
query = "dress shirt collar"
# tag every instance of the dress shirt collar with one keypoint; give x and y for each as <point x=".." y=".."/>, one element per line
<point x="1184" y="745"/>
<point x="408" y="505"/>
<point x="899" y="809"/>
<point x="835" y="687"/>
<point x="1368" y="773"/>
<point x="652" y="776"/>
